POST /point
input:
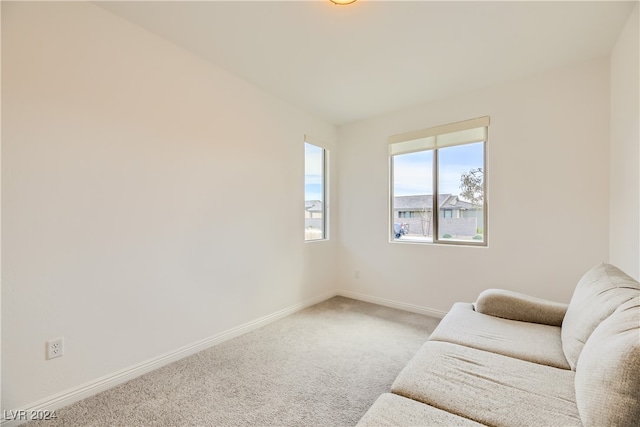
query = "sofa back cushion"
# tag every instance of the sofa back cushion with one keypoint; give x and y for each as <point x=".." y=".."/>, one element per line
<point x="608" y="372"/>
<point x="600" y="291"/>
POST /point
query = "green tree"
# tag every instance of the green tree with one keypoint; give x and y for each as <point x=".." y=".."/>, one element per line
<point x="472" y="186"/>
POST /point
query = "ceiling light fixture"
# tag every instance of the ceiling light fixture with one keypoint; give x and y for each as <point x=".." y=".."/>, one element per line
<point x="342" y="2"/>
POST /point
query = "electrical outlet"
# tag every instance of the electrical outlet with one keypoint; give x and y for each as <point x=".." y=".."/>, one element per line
<point x="356" y="274"/>
<point x="55" y="348"/>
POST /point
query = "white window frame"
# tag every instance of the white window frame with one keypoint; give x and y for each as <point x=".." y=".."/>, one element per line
<point x="432" y="139"/>
<point x="325" y="189"/>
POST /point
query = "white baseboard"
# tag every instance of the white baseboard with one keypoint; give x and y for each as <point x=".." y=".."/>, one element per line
<point x="91" y="388"/>
<point x="393" y="304"/>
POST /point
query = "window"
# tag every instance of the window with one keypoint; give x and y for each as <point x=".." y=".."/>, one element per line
<point x="441" y="170"/>
<point x="315" y="218"/>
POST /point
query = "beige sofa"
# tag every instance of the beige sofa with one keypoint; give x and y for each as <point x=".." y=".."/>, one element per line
<point x="513" y="360"/>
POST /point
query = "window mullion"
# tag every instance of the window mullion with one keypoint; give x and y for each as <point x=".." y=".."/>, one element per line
<point x="434" y="209"/>
<point x="325" y="201"/>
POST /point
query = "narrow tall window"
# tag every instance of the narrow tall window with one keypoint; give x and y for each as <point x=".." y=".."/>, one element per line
<point x="315" y="218"/>
<point x="438" y="184"/>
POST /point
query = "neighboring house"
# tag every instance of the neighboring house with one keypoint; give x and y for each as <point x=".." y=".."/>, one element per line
<point x="312" y="209"/>
<point x="417" y="212"/>
<point x="313" y="221"/>
<point x="450" y="206"/>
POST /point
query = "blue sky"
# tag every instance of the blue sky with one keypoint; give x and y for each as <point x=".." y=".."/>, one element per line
<point x="413" y="172"/>
<point x="313" y="168"/>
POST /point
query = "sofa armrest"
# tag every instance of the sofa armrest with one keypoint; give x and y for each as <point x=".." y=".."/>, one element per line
<point x="516" y="306"/>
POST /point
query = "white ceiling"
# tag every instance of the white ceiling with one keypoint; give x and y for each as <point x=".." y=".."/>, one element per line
<point x="345" y="63"/>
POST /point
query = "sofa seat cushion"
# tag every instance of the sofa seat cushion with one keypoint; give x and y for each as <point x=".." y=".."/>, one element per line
<point x="533" y="342"/>
<point x="598" y="293"/>
<point x="391" y="410"/>
<point x="489" y="388"/>
<point x="608" y="371"/>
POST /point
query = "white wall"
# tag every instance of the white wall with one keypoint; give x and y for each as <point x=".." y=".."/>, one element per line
<point x="624" y="243"/>
<point x="547" y="169"/>
<point x="150" y="200"/>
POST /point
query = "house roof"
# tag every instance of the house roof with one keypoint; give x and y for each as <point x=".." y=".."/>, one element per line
<point x="313" y="205"/>
<point x="419" y="202"/>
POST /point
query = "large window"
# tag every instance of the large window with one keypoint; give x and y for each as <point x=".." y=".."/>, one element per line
<point x="315" y="218"/>
<point x="438" y="184"/>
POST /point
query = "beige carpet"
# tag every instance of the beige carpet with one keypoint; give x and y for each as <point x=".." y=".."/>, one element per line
<point x="323" y="366"/>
